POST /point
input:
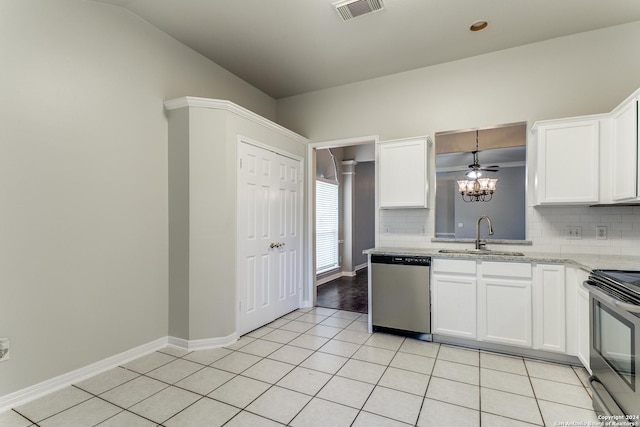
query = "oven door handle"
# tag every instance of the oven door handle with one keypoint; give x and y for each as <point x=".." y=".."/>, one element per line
<point x="608" y="298"/>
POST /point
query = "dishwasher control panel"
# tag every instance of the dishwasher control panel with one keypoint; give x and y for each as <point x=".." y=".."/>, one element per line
<point x="401" y="259"/>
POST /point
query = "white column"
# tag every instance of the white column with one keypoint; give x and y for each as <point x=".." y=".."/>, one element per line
<point x="348" y="174"/>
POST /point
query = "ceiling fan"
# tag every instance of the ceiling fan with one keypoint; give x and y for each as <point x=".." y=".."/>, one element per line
<point x="475" y="169"/>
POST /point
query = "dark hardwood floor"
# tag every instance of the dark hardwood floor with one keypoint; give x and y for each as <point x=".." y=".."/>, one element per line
<point x="345" y="293"/>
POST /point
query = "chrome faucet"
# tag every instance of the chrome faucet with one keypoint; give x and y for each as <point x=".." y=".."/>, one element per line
<point x="480" y="244"/>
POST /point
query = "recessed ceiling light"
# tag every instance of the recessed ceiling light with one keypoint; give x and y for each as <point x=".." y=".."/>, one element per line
<point x="478" y="25"/>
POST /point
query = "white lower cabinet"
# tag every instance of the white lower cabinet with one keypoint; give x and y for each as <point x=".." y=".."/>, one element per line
<point x="582" y="320"/>
<point x="453" y="298"/>
<point x="504" y="303"/>
<point x="550" y="308"/>
<point x="512" y="303"/>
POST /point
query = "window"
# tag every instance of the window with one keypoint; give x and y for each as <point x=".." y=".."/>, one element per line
<point x="326" y="226"/>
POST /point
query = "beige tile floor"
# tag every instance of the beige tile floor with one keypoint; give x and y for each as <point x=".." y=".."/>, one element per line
<point x="319" y="367"/>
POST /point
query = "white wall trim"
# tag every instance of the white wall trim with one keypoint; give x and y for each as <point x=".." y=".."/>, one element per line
<point x="312" y="282"/>
<point x="339" y="274"/>
<point x="28" y="394"/>
<point x="203" y="343"/>
<point x="329" y="278"/>
<point x="221" y="104"/>
<point x="355" y="270"/>
<point x="361" y="266"/>
<point x="33" y="392"/>
<point x="250" y="141"/>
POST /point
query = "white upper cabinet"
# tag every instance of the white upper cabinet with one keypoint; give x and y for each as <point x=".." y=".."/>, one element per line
<point x="624" y="152"/>
<point x="567" y="161"/>
<point x="403" y="176"/>
<point x="590" y="159"/>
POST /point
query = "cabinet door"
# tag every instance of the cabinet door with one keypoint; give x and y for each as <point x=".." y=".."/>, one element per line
<point x="549" y="328"/>
<point x="584" y="345"/>
<point x="504" y="311"/>
<point x="453" y="306"/>
<point x="403" y="173"/>
<point x="567" y="163"/>
<point x="625" y="152"/>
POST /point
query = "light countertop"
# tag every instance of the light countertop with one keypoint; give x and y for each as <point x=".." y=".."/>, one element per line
<point x="585" y="261"/>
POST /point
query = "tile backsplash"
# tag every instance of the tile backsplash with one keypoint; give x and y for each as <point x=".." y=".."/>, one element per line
<point x="546" y="229"/>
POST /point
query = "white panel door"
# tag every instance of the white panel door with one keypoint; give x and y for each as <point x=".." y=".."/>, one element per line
<point x="568" y="163"/>
<point x="453" y="305"/>
<point x="288" y="214"/>
<point x="584" y="346"/>
<point x="549" y="290"/>
<point x="625" y="152"/>
<point x="269" y="236"/>
<point x="504" y="311"/>
<point x="402" y="167"/>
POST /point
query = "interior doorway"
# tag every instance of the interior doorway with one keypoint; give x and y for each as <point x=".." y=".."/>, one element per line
<point x="339" y="267"/>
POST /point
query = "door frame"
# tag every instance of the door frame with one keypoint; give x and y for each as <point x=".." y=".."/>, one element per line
<point x="311" y="290"/>
<point x="250" y="141"/>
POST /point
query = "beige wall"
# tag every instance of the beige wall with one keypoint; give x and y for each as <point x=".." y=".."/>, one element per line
<point x="203" y="215"/>
<point x="83" y="180"/>
<point x="581" y="74"/>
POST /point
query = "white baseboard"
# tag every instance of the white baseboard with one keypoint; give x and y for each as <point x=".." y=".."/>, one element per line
<point x="340" y="274"/>
<point x="329" y="278"/>
<point x="203" y="343"/>
<point x="361" y="266"/>
<point x="28" y="394"/>
<point x="33" y="392"/>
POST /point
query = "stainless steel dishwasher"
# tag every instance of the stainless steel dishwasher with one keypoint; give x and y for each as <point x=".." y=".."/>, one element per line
<point x="400" y="298"/>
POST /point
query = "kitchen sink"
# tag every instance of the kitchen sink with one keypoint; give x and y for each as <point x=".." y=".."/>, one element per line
<point x="480" y="252"/>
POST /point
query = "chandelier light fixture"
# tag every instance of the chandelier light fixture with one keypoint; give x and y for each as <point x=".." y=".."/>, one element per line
<point x="475" y="188"/>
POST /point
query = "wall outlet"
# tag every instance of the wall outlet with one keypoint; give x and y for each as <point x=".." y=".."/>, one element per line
<point x="601" y="232"/>
<point x="574" y="232"/>
<point x="4" y="349"/>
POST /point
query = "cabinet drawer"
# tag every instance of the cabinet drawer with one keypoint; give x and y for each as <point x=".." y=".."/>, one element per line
<point x="506" y="269"/>
<point x="454" y="266"/>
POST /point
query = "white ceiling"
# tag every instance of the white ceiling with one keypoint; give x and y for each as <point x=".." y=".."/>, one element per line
<point x="289" y="47"/>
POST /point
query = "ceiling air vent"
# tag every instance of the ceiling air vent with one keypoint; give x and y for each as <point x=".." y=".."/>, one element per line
<point x="349" y="9"/>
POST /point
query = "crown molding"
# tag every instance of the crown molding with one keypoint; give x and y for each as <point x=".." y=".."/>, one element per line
<point x="222" y="104"/>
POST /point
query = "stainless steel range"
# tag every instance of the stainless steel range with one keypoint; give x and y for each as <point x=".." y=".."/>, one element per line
<point x="614" y="298"/>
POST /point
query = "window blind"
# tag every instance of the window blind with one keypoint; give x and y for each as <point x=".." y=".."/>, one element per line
<point x="326" y="226"/>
